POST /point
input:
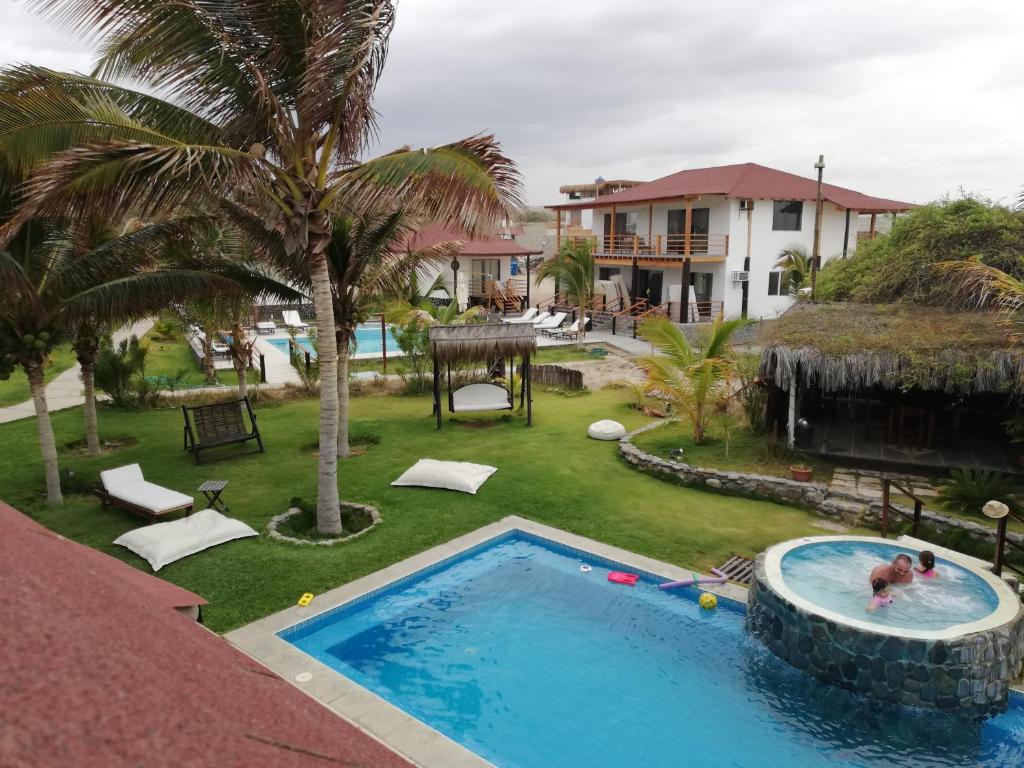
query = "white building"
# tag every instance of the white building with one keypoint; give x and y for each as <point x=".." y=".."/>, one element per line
<point x="718" y="230"/>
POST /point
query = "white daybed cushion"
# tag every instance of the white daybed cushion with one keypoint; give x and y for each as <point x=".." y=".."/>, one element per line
<point x="164" y="543"/>
<point x="606" y="429"/>
<point x="127" y="484"/>
<point x="267" y="325"/>
<point x="450" y="475"/>
<point x="480" y="397"/>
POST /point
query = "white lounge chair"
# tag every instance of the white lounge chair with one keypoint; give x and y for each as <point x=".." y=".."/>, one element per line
<point x="552" y="321"/>
<point x="292" y="320"/>
<point x="480" y="397"/>
<point x="569" y="333"/>
<point x="267" y="326"/>
<point x="125" y="487"/>
<point x="527" y="316"/>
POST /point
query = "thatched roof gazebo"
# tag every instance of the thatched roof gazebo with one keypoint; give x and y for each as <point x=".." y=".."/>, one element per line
<point x="895" y="383"/>
<point x="487" y="343"/>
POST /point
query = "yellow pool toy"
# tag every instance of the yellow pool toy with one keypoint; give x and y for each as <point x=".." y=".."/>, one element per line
<point x="708" y="601"/>
<point x="306" y="599"/>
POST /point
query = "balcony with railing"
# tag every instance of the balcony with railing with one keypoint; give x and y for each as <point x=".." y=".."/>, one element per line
<point x="663" y="250"/>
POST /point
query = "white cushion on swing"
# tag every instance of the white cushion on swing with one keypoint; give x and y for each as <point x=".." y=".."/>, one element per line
<point x="606" y="429"/>
<point x="450" y="475"/>
<point x="480" y="397"/>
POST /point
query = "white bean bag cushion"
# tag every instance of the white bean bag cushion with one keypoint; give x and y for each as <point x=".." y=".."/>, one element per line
<point x="164" y="543"/>
<point x="606" y="429"/>
<point x="450" y="475"/>
<point x="127" y="484"/>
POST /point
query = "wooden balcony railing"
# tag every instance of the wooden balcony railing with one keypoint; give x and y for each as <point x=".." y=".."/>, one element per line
<point x="660" y="246"/>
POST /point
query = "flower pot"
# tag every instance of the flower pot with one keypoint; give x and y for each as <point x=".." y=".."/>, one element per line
<point x="800" y="473"/>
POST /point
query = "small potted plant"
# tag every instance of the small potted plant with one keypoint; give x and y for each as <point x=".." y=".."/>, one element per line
<point x="801" y="472"/>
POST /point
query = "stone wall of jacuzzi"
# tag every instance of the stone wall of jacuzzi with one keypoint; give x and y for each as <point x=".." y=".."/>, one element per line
<point x="970" y="674"/>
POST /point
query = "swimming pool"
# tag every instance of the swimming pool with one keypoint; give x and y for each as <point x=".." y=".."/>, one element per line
<point x="367" y="342"/>
<point x="834" y="575"/>
<point x="513" y="651"/>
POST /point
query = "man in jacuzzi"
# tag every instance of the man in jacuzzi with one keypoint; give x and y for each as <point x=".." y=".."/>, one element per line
<point x="899" y="571"/>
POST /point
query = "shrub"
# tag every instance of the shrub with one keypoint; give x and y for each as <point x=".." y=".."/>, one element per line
<point x="121" y="373"/>
<point x="413" y="339"/>
<point x="967" y="490"/>
<point x="753" y="394"/>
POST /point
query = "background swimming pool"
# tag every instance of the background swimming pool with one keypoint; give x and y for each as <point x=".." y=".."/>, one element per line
<point x="368" y="342"/>
<point x="834" y="576"/>
<point x="515" y="653"/>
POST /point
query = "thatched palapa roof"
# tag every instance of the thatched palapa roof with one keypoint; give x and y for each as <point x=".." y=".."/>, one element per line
<point x="849" y="347"/>
<point x="476" y="342"/>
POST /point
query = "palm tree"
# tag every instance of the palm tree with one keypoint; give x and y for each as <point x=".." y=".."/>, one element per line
<point x="573" y="269"/>
<point x="983" y="285"/>
<point x="692" y="381"/>
<point x="274" y="106"/>
<point x="795" y="264"/>
<point x="53" y="291"/>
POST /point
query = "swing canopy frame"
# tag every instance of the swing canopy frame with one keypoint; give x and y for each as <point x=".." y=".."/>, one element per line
<point x="493" y="344"/>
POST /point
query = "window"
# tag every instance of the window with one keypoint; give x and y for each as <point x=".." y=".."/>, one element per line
<point x="775" y="283"/>
<point x="786" y="215"/>
<point x="605" y="273"/>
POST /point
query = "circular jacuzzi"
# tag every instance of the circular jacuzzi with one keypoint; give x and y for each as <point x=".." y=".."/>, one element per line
<point x="951" y="642"/>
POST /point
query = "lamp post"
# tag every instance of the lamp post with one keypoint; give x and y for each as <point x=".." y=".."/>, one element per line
<point x="997" y="511"/>
<point x="816" y="252"/>
<point x="455" y="279"/>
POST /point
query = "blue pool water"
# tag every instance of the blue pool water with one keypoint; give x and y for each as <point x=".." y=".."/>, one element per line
<point x="512" y="651"/>
<point x="834" y="575"/>
<point x="367" y="342"/>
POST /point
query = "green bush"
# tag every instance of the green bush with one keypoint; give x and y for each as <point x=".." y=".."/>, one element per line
<point x="121" y="372"/>
<point x="413" y="339"/>
<point x="967" y="490"/>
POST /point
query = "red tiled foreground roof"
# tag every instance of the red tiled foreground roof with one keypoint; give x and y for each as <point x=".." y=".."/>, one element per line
<point x="432" y="234"/>
<point x="98" y="669"/>
<point x="744" y="181"/>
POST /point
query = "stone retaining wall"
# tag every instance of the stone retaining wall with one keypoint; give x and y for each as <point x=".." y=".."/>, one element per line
<point x="969" y="674"/>
<point x="816" y="496"/>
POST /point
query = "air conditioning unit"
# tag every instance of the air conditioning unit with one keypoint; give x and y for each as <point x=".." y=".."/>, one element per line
<point x="746" y="205"/>
<point x="739" y="276"/>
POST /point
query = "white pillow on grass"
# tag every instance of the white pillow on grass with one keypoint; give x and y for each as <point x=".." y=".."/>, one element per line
<point x="606" y="429"/>
<point x="164" y="543"/>
<point x="450" y="475"/>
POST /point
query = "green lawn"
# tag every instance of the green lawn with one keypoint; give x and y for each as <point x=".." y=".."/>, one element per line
<point x="169" y="358"/>
<point x="748" y="452"/>
<point x="551" y="473"/>
<point x="15" y="390"/>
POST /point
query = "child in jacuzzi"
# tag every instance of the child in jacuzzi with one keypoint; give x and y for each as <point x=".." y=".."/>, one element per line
<point x="881" y="597"/>
<point x="926" y="566"/>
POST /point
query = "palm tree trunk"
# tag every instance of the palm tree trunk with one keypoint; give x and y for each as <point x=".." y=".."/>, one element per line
<point x="243" y="383"/>
<point x="92" y="433"/>
<point x="209" y="369"/>
<point x="328" y="512"/>
<point x="47" y="443"/>
<point x="583" y="324"/>
<point x="344" y="451"/>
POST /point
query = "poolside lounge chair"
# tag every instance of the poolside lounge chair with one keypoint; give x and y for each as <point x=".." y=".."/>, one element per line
<point x="551" y="321"/>
<point x="527" y="317"/>
<point x="267" y="326"/>
<point x="292" y="320"/>
<point x="569" y="333"/>
<point x="125" y="487"/>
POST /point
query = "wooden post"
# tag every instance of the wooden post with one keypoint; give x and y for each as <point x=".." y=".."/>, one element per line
<point x="263" y="369"/>
<point x="558" y="229"/>
<point x="437" y="393"/>
<point x="611" y="242"/>
<point x="816" y="247"/>
<point x="384" y="342"/>
<point x="791" y="421"/>
<point x="307" y="363"/>
<point x="917" y="517"/>
<point x="650" y="226"/>
<point x="997" y="560"/>
<point x="528" y="379"/>
<point x="684" y="292"/>
<point x="885" y="506"/>
<point x="846" y="234"/>
<point x="527" y="280"/>
<point x="874" y="224"/>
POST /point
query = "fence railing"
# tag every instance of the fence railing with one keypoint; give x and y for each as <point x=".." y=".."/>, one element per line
<point x="999" y="561"/>
<point x="666" y="246"/>
<point x="887" y="486"/>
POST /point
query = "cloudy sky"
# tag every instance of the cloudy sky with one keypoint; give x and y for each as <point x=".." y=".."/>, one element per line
<point x="907" y="100"/>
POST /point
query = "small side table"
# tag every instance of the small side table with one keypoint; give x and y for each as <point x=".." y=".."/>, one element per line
<point x="212" y="490"/>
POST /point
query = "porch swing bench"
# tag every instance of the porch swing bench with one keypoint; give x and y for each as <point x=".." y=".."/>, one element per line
<point x="480" y="397"/>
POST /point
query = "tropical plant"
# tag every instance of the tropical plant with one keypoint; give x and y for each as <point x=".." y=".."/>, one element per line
<point x="967" y="490"/>
<point x="986" y="286"/>
<point x="900" y="266"/>
<point x="693" y="381"/>
<point x="753" y="394"/>
<point x="273" y="108"/>
<point x="412" y="338"/>
<point x="121" y="373"/>
<point x="795" y="264"/>
<point x="573" y="269"/>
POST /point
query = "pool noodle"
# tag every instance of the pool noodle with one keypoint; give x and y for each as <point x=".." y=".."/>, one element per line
<point x="721" y="578"/>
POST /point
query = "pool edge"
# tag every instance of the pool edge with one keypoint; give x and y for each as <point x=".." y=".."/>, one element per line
<point x="392" y="726"/>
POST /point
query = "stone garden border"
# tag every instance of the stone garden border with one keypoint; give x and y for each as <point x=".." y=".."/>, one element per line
<point x="816" y="496"/>
<point x="275" y="521"/>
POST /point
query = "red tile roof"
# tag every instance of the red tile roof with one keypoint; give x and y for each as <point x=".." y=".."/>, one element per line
<point x="432" y="234"/>
<point x="744" y="181"/>
<point x="98" y="669"/>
